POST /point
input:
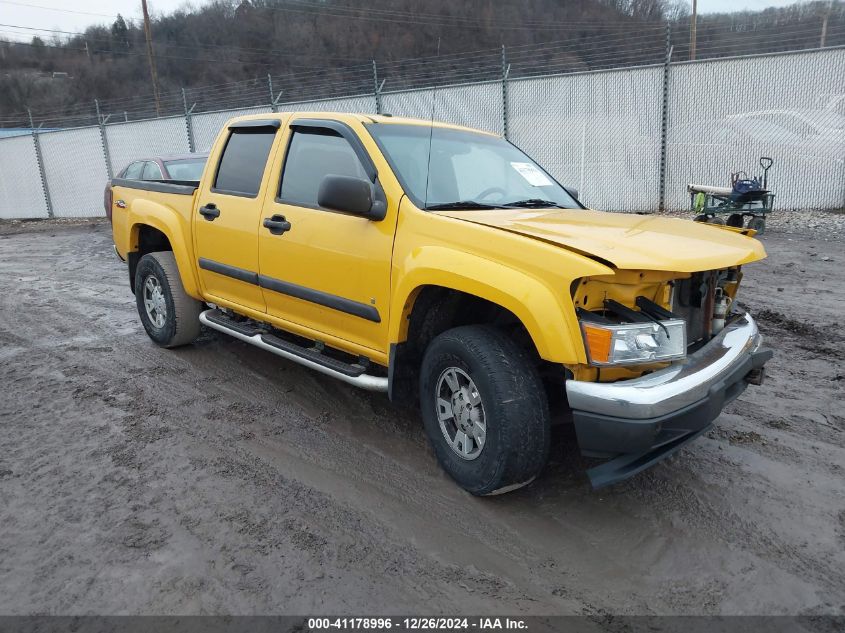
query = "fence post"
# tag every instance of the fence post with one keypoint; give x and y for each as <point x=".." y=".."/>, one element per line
<point x="274" y="98"/>
<point x="505" y="72"/>
<point x="376" y="88"/>
<point x="40" y="160"/>
<point x="104" y="139"/>
<point x="664" y="121"/>
<point x="272" y="94"/>
<point x="189" y="122"/>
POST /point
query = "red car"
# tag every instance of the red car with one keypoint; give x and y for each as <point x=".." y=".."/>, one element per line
<point x="178" y="167"/>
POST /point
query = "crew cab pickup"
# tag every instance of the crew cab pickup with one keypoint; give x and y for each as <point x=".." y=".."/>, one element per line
<point x="443" y="266"/>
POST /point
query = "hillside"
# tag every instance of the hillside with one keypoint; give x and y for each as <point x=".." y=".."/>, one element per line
<point x="223" y="51"/>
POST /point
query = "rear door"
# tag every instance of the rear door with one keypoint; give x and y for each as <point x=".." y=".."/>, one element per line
<point x="229" y="212"/>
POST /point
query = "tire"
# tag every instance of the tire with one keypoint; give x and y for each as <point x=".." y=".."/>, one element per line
<point x="758" y="224"/>
<point x="490" y="367"/>
<point x="700" y="218"/>
<point x="174" y="317"/>
<point x="715" y="220"/>
<point x="735" y="220"/>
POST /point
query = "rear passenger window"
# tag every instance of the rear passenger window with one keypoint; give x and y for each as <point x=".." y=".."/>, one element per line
<point x="243" y="162"/>
<point x="314" y="153"/>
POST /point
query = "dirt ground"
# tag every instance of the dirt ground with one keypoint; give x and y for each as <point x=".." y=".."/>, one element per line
<point x="218" y="478"/>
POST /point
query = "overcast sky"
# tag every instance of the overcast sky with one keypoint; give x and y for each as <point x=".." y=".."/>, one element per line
<point x="75" y="16"/>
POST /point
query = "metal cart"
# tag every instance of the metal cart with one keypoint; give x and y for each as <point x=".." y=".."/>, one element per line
<point x="711" y="203"/>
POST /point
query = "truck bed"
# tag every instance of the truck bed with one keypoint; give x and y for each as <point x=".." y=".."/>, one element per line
<point x="178" y="187"/>
<point x="172" y="199"/>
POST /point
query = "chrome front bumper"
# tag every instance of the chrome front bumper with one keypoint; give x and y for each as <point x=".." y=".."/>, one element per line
<point x="640" y="421"/>
<point x="675" y="387"/>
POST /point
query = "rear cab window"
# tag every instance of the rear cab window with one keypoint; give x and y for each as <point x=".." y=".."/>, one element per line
<point x="244" y="160"/>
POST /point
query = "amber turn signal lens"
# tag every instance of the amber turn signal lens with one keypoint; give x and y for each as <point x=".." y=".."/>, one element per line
<point x="598" y="342"/>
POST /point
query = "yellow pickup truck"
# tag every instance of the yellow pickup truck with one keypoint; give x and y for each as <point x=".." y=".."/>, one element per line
<point x="443" y="266"/>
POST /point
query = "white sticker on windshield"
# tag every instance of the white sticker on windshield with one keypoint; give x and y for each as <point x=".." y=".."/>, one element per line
<point x="533" y="175"/>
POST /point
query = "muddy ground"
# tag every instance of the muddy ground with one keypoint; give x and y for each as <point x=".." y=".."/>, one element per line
<point x="220" y="479"/>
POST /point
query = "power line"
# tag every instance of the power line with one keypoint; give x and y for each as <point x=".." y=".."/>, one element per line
<point x="274" y="52"/>
<point x="39" y="6"/>
<point x="397" y="17"/>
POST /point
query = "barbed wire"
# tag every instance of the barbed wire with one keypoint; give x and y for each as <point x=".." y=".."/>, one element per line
<point x="609" y="50"/>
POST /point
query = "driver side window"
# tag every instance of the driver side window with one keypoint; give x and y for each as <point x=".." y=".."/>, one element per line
<point x="314" y="153"/>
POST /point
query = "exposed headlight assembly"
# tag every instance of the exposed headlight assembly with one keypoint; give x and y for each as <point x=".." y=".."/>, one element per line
<point x="631" y="343"/>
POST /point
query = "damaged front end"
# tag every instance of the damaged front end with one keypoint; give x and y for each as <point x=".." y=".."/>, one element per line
<point x="665" y="354"/>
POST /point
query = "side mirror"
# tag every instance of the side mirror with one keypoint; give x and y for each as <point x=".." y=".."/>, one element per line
<point x="351" y="195"/>
<point x="572" y="192"/>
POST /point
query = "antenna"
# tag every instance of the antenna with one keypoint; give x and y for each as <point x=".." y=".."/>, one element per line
<point x="431" y="132"/>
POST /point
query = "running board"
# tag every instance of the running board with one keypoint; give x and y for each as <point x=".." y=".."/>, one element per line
<point x="352" y="374"/>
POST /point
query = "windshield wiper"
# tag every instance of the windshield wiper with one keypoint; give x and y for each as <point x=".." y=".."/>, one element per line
<point x="531" y="203"/>
<point x="462" y="204"/>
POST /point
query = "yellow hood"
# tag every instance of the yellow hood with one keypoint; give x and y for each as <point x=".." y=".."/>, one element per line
<point x="628" y="241"/>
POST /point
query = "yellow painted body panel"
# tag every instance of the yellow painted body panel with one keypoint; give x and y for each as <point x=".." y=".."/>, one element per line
<point x="525" y="260"/>
<point x="628" y="240"/>
<point x="432" y="249"/>
<point x="170" y="214"/>
<point x="231" y="238"/>
<point x="339" y="254"/>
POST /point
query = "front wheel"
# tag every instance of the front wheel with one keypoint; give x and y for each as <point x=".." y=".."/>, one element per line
<point x="169" y="315"/>
<point x="485" y="410"/>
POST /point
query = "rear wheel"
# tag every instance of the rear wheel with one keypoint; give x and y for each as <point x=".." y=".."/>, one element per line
<point x="485" y="409"/>
<point x="169" y="315"/>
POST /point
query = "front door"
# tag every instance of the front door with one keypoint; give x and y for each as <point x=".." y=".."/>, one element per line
<point x="229" y="213"/>
<point x="330" y="271"/>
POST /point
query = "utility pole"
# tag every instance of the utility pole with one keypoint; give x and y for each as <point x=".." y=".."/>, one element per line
<point x="824" y="24"/>
<point x="692" y="28"/>
<point x="148" y="34"/>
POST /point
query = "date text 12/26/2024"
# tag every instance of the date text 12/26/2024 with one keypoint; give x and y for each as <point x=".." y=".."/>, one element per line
<point x="416" y="623"/>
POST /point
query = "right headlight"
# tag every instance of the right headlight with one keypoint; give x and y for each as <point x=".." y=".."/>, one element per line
<point x="630" y="343"/>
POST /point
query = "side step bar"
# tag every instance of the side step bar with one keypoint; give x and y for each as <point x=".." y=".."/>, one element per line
<point x="348" y="373"/>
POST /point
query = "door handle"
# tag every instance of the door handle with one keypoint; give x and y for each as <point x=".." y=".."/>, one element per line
<point x="277" y="224"/>
<point x="210" y="211"/>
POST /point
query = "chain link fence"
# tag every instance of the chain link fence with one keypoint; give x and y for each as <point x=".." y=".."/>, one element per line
<point x="139" y="139"/>
<point x="21" y="188"/>
<point x="596" y="132"/>
<point x="629" y="139"/>
<point x="725" y="114"/>
<point x="75" y="171"/>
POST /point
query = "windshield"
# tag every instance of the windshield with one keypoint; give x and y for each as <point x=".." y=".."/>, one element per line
<point x="186" y="169"/>
<point x="468" y="170"/>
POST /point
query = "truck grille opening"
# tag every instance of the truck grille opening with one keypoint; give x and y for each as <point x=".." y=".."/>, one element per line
<point x="693" y="299"/>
